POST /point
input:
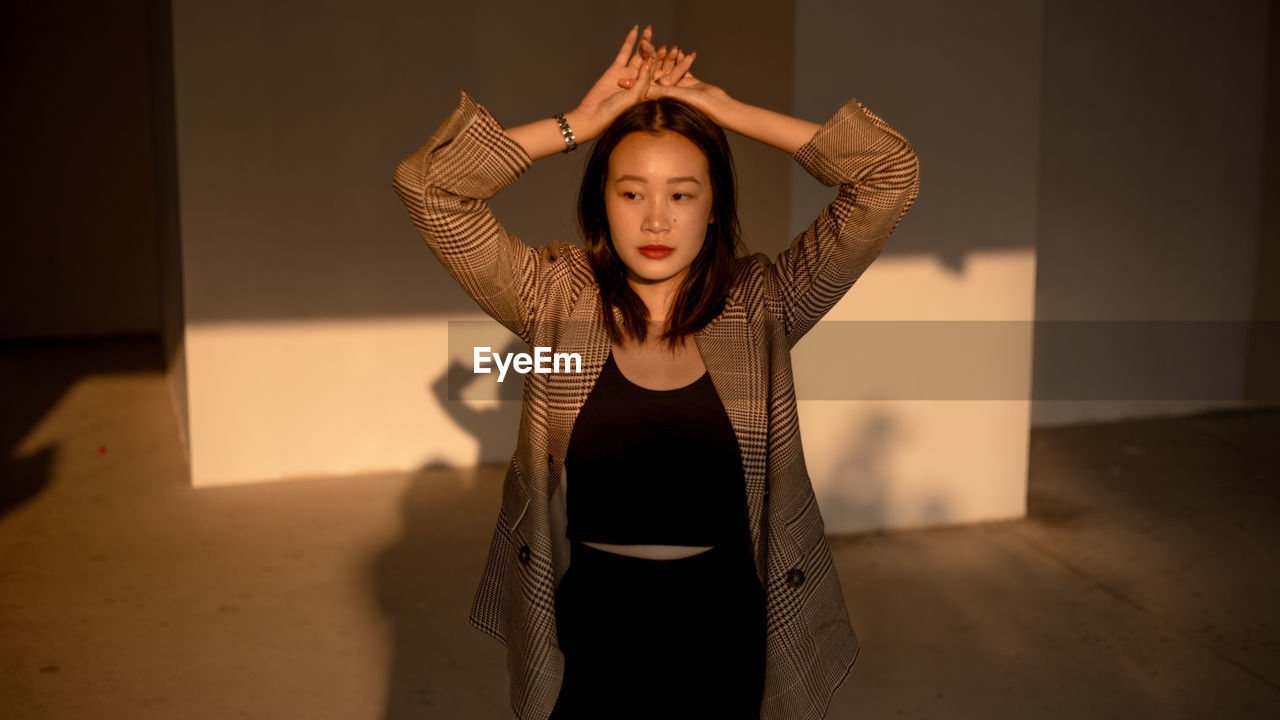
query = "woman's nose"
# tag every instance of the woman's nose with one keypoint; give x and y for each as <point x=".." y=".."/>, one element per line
<point x="656" y="219"/>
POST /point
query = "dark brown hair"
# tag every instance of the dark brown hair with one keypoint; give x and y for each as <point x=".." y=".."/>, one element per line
<point x="703" y="290"/>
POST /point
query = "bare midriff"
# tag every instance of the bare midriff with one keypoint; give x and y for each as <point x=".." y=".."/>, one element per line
<point x="651" y="552"/>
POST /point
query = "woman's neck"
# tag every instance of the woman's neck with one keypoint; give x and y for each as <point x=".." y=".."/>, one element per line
<point x="657" y="297"/>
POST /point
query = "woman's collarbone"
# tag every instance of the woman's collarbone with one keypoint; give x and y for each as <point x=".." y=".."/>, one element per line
<point x="656" y="368"/>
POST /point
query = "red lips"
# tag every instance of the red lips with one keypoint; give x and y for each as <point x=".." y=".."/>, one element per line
<point x="656" y="251"/>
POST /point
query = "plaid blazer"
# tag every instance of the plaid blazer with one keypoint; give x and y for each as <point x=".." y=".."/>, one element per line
<point x="548" y="297"/>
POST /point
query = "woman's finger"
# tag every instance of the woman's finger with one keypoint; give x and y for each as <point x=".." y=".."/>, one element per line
<point x="646" y="42"/>
<point x="627" y="45"/>
<point x="668" y="65"/>
<point x="678" y="71"/>
<point x="627" y="75"/>
<point x="673" y="74"/>
<point x="636" y="61"/>
<point x="641" y="85"/>
<point x="685" y="62"/>
<point x="658" y="59"/>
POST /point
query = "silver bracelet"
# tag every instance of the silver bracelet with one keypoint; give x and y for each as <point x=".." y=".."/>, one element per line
<point x="570" y="142"/>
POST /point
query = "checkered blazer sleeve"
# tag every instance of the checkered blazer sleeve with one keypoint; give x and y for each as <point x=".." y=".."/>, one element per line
<point x="445" y="185"/>
<point x="879" y="178"/>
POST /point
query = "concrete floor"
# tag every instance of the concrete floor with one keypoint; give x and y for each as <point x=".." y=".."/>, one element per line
<point x="1143" y="584"/>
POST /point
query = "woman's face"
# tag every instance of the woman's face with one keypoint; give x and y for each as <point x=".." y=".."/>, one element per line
<point x="658" y="199"/>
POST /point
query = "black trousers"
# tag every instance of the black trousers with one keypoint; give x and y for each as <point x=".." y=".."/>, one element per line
<point x="661" y="638"/>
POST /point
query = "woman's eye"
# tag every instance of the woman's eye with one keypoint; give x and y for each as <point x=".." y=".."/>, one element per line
<point x="629" y="195"/>
<point x="679" y="196"/>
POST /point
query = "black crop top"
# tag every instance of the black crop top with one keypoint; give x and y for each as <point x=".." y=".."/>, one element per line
<point x="654" y="466"/>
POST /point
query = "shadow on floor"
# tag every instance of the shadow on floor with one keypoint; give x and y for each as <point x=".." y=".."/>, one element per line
<point x="35" y="375"/>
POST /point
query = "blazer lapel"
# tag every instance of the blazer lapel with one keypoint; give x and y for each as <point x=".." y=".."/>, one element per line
<point x="567" y="392"/>
<point x="585" y="335"/>
<point x="741" y="378"/>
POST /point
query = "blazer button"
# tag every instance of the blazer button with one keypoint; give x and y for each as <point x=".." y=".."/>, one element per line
<point x="551" y="460"/>
<point x="795" y="578"/>
<point x="524" y="554"/>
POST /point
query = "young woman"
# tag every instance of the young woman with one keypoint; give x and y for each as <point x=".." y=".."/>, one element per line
<point x="686" y="574"/>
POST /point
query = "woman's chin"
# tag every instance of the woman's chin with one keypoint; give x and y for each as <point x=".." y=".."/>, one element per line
<point x="653" y="276"/>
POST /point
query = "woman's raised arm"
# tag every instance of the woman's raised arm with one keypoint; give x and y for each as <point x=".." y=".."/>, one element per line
<point x="673" y="79"/>
<point x="874" y="165"/>
<point x="470" y="158"/>
<point x="444" y="185"/>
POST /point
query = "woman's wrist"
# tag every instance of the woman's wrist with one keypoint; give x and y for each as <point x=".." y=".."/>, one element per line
<point x="723" y="109"/>
<point x="584" y="124"/>
<point x="545" y="137"/>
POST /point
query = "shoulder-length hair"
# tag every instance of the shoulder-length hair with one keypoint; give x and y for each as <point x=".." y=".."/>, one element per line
<point x="704" y="288"/>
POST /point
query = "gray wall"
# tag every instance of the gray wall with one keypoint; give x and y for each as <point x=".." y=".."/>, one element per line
<point x="1262" y="382"/>
<point x="164" y="143"/>
<point x="289" y="138"/>
<point x="961" y="81"/>
<point x="1150" y="205"/>
<point x="80" y="242"/>
<point x="91" y="246"/>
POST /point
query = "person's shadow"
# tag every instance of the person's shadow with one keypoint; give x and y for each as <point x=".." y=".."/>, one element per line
<point x="425" y="580"/>
<point x="35" y="375"/>
<point x="494" y="427"/>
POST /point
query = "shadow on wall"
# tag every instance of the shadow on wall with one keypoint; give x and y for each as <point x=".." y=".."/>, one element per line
<point x="862" y="495"/>
<point x="491" y="426"/>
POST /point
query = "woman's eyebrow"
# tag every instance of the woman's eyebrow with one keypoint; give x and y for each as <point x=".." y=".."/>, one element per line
<point x="637" y="178"/>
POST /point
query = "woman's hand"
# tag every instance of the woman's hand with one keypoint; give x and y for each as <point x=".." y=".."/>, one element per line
<point x="624" y="83"/>
<point x="645" y="51"/>
<point x="671" y="78"/>
<point x="671" y="66"/>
